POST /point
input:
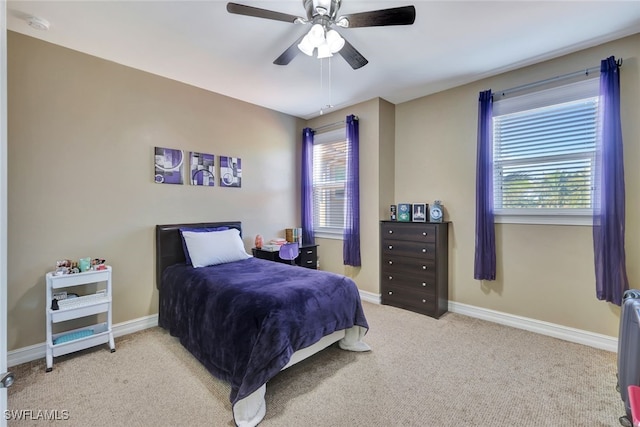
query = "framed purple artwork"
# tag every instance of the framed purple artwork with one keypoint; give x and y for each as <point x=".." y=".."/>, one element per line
<point x="230" y="172"/>
<point x="168" y="166"/>
<point x="202" y="170"/>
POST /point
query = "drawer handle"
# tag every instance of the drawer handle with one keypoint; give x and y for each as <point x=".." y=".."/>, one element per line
<point x="309" y="252"/>
<point x="424" y="250"/>
<point x="309" y="262"/>
<point x="424" y="284"/>
<point x="424" y="267"/>
<point x="390" y="246"/>
<point x="390" y="231"/>
<point x="390" y="262"/>
<point x="390" y="277"/>
<point x="424" y="233"/>
<point x="424" y="300"/>
<point x="390" y="292"/>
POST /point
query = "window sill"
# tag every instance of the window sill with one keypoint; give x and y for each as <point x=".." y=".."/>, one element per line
<point x="584" y="220"/>
<point x="325" y="235"/>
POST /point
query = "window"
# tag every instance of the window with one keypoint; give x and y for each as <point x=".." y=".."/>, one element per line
<point x="544" y="148"/>
<point x="329" y="180"/>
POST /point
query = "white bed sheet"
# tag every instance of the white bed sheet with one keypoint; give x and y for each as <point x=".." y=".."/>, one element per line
<point x="249" y="411"/>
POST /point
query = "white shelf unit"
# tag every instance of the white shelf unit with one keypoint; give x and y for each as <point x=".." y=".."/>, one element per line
<point x="83" y="306"/>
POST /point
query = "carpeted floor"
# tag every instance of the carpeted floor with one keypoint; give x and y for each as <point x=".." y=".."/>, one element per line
<point x="456" y="371"/>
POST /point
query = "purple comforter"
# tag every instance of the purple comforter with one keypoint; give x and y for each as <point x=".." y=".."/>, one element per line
<point x="243" y="320"/>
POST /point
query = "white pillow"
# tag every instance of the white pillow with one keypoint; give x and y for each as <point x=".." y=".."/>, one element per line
<point x="216" y="247"/>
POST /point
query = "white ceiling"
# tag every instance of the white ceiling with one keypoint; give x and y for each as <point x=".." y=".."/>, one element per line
<point x="451" y="43"/>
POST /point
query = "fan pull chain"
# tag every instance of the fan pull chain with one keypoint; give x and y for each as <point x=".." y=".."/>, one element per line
<point x="329" y="105"/>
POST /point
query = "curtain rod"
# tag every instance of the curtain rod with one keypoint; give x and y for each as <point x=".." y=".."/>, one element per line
<point x="552" y="79"/>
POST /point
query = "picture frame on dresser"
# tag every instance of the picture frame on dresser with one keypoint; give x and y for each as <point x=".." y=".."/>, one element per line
<point x="404" y="212"/>
<point x="419" y="212"/>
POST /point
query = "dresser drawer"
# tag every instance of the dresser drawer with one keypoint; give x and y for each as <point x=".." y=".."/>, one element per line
<point x="399" y="248"/>
<point x="409" y="299"/>
<point x="309" y="257"/>
<point x="410" y="232"/>
<point x="419" y="283"/>
<point x="414" y="266"/>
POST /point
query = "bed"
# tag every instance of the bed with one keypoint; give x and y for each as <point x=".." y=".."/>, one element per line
<point x="247" y="319"/>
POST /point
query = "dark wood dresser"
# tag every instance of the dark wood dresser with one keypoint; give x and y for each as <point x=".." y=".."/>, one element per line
<point x="414" y="270"/>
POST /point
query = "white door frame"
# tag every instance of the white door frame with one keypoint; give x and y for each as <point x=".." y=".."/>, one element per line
<point x="3" y="207"/>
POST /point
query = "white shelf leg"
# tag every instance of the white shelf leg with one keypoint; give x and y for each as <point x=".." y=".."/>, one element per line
<point x="49" y="360"/>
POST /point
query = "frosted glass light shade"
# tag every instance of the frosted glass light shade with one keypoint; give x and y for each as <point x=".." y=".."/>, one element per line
<point x="334" y="41"/>
<point x="305" y="46"/>
<point x="324" y="51"/>
<point x="327" y="42"/>
<point x="316" y="35"/>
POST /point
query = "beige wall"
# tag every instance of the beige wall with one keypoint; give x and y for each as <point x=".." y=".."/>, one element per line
<point x="544" y="272"/>
<point x="81" y="137"/>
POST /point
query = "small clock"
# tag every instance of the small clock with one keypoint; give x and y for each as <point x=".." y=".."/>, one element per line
<point x="435" y="212"/>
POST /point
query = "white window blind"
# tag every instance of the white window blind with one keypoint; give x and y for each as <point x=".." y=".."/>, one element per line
<point x="329" y="180"/>
<point x="544" y="148"/>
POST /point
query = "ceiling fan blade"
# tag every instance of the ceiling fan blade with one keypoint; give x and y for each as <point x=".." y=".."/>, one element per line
<point x="352" y="56"/>
<point x="404" y="15"/>
<point x="291" y="52"/>
<point x="241" y="9"/>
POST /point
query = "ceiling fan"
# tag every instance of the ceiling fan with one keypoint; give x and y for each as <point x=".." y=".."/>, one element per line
<point x="322" y="15"/>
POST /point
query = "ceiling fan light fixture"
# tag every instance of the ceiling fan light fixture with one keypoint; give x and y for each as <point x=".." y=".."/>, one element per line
<point x="306" y="46"/>
<point x="334" y="41"/>
<point x="324" y="51"/>
<point x="316" y="35"/>
<point x="323" y="15"/>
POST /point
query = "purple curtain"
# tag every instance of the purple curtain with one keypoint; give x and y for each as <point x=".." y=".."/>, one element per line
<point x="351" y="242"/>
<point x="308" y="237"/>
<point x="609" y="200"/>
<point x="485" y="257"/>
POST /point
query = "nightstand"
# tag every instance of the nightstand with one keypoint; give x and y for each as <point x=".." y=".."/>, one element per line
<point x="308" y="257"/>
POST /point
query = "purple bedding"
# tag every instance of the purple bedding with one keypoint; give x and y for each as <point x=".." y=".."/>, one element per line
<point x="243" y="320"/>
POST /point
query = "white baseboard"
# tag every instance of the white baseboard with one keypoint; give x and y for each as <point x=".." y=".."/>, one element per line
<point x="603" y="342"/>
<point x="39" y="351"/>
<point x="370" y="297"/>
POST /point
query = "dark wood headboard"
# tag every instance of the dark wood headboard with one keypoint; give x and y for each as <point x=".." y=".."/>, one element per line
<point x="169" y="243"/>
